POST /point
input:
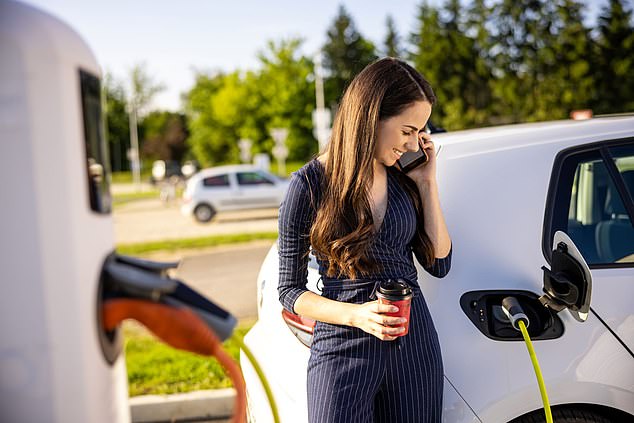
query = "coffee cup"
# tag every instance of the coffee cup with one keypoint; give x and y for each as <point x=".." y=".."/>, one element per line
<point x="398" y="293"/>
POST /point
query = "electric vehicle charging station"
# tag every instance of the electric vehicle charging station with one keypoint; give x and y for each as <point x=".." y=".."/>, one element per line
<point x="56" y="226"/>
<point x="66" y="290"/>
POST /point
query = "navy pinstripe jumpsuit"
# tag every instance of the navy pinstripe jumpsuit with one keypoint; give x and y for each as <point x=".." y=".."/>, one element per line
<point x="354" y="376"/>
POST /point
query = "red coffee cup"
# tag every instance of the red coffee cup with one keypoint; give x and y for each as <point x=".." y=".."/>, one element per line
<point x="397" y="293"/>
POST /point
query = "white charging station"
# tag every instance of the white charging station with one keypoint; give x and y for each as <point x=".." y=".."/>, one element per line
<point x="56" y="228"/>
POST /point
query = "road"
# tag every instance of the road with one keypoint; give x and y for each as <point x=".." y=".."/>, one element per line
<point x="151" y="220"/>
<point x="226" y="274"/>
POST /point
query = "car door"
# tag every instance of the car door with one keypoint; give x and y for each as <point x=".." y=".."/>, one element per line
<point x="255" y="190"/>
<point x="217" y="191"/>
<point x="590" y="199"/>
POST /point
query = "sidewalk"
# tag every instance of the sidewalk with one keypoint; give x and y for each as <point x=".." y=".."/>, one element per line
<point x="215" y="405"/>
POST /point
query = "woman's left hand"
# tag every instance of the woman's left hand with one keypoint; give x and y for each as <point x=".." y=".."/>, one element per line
<point x="427" y="171"/>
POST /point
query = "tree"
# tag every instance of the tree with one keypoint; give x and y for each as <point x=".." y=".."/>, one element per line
<point x="143" y="88"/>
<point x="215" y="108"/>
<point x="117" y="124"/>
<point x="165" y="136"/>
<point x="615" y="85"/>
<point x="570" y="82"/>
<point x="447" y="57"/>
<point x="392" y="40"/>
<point x="226" y="107"/>
<point x="522" y="51"/>
<point x="346" y="53"/>
<point x="288" y="95"/>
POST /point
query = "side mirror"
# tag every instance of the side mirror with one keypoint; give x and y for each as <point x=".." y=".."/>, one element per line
<point x="568" y="284"/>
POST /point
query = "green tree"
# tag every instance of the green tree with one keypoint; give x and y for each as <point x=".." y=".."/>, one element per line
<point x="447" y="57"/>
<point x="392" y="45"/>
<point x="215" y="108"/>
<point x="165" y="136"/>
<point x="143" y="88"/>
<point x="117" y="123"/>
<point x="570" y="82"/>
<point x="346" y="53"/>
<point x="288" y="95"/>
<point x="226" y="107"/>
<point x="615" y="85"/>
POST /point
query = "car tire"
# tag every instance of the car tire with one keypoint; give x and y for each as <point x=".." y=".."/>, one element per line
<point x="565" y="415"/>
<point x="203" y="213"/>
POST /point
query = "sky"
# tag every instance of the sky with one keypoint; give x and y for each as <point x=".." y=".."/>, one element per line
<point x="176" y="39"/>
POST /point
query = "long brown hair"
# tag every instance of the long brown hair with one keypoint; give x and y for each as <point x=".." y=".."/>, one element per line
<point x="343" y="230"/>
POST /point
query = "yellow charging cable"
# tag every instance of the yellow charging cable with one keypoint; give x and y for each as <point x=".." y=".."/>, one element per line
<point x="538" y="372"/>
<point x="260" y="373"/>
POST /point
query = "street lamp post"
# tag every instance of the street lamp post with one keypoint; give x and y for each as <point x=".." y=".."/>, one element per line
<point x="134" y="150"/>
<point x="321" y="115"/>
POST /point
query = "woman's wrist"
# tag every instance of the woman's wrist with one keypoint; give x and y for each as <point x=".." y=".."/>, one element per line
<point x="349" y="316"/>
<point x="427" y="186"/>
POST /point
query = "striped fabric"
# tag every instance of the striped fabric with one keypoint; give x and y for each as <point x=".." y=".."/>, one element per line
<point x="354" y="376"/>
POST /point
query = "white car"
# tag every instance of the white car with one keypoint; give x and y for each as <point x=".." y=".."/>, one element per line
<point x="233" y="187"/>
<point x="505" y="192"/>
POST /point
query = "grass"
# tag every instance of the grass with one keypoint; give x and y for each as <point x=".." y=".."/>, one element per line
<point x="118" y="199"/>
<point x="155" y="368"/>
<point x="191" y="243"/>
<point x="125" y="177"/>
<point x="290" y="167"/>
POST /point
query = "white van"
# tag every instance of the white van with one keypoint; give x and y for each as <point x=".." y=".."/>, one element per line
<point x="505" y="192"/>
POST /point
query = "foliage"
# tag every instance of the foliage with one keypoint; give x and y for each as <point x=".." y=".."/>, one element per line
<point x="615" y="64"/>
<point x="117" y="124"/>
<point x="346" y="52"/>
<point x="164" y="136"/>
<point x="224" y="108"/>
<point x="489" y="62"/>
<point x="392" y="44"/>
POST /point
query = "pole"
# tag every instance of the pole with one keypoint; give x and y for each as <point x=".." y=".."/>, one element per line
<point x="134" y="142"/>
<point x="319" y="82"/>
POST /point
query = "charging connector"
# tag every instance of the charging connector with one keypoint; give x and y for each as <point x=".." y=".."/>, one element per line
<point x="513" y="310"/>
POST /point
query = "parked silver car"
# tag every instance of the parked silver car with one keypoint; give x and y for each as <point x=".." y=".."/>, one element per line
<point x="234" y="187"/>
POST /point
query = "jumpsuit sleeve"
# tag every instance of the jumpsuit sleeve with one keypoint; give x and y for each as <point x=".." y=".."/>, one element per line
<point x="295" y="219"/>
<point x="441" y="266"/>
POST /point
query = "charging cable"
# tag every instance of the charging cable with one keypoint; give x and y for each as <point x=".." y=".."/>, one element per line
<point x="519" y="321"/>
<point x="260" y="373"/>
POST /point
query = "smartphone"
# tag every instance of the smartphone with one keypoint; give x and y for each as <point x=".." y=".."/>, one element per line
<point x="412" y="159"/>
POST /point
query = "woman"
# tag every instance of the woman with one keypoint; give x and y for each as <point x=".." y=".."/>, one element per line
<point x="363" y="218"/>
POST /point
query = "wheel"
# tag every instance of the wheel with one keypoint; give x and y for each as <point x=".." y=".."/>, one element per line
<point x="565" y="415"/>
<point x="204" y="213"/>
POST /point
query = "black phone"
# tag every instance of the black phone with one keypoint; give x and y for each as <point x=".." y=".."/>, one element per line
<point x="412" y="159"/>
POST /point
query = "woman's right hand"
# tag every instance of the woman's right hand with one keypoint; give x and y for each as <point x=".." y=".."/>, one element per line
<point x="370" y="318"/>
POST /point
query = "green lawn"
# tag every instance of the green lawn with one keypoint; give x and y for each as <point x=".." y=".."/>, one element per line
<point x="191" y="243"/>
<point x="118" y="199"/>
<point x="126" y="177"/>
<point x="155" y="368"/>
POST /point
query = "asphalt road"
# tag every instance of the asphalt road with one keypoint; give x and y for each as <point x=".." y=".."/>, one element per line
<point x="151" y="220"/>
<point x="226" y="275"/>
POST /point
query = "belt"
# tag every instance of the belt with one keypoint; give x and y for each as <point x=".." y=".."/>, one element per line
<point x="353" y="284"/>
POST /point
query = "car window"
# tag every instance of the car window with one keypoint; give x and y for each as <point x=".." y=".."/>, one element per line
<point x="597" y="219"/>
<point x="216" y="181"/>
<point x="253" y="178"/>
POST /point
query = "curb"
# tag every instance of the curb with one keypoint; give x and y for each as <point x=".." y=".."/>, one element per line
<point x="212" y="404"/>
